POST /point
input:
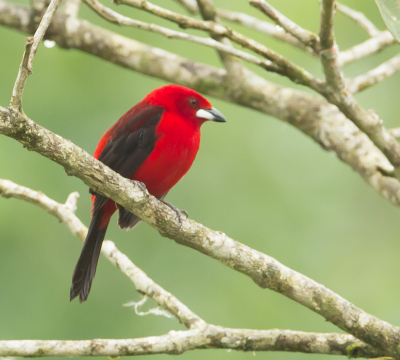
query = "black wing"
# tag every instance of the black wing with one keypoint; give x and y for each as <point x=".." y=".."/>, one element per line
<point x="130" y="146"/>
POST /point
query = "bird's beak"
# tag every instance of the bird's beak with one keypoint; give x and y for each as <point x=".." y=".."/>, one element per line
<point x="211" y="114"/>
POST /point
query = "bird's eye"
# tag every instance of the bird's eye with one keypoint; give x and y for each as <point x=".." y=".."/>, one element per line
<point x="193" y="102"/>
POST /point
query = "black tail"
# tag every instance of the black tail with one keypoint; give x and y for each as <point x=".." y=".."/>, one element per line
<point x="85" y="268"/>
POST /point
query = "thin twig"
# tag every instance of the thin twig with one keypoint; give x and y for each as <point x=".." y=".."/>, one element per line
<point x="31" y="46"/>
<point x="359" y="18"/>
<point x="375" y="76"/>
<point x="308" y="38"/>
<point x="23" y="73"/>
<point x="366" y="48"/>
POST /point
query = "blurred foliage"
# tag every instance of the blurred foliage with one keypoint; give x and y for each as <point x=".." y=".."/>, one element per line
<point x="256" y="178"/>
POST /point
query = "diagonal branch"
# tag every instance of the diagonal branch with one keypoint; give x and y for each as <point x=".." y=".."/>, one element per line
<point x="263" y="27"/>
<point x="201" y="334"/>
<point x="253" y="23"/>
<point x="375" y="76"/>
<point x="367" y="48"/>
<point x="65" y="214"/>
<point x="264" y="270"/>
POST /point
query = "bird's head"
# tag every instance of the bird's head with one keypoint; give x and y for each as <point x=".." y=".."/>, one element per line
<point x="185" y="102"/>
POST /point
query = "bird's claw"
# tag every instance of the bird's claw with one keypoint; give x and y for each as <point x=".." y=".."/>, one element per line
<point x="177" y="211"/>
<point x="142" y="186"/>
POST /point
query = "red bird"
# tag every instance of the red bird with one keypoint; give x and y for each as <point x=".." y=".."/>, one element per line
<point x="155" y="143"/>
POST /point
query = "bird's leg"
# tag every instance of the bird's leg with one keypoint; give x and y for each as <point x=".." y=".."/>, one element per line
<point x="177" y="211"/>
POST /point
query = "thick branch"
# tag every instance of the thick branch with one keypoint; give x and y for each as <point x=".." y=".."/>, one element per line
<point x="217" y="337"/>
<point x="262" y="269"/>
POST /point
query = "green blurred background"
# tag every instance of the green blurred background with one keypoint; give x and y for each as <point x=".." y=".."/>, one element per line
<point x="259" y="180"/>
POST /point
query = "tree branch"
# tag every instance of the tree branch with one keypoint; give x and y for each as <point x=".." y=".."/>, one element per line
<point x="367" y="48"/>
<point x="209" y="336"/>
<point x="375" y="76"/>
<point x="263" y="27"/>
<point x="254" y="23"/>
<point x="306" y="37"/>
<point x="359" y="18"/>
<point x="178" y="342"/>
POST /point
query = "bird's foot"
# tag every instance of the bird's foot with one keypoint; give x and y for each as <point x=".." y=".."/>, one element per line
<point x="177" y="211"/>
<point x="141" y="185"/>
